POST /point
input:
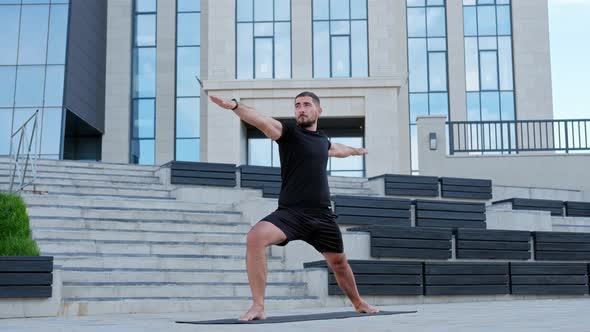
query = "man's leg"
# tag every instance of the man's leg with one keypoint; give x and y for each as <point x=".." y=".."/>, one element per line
<point x="345" y="278"/>
<point x="262" y="235"/>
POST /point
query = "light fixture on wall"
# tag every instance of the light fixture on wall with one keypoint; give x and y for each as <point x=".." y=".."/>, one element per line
<point x="432" y="141"/>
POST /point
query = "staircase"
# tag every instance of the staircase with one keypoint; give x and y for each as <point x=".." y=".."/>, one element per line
<point x="124" y="244"/>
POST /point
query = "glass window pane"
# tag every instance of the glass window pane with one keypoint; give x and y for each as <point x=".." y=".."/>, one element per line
<point x="145" y="30"/>
<point x="188" y="117"/>
<point x="340" y="56"/>
<point x="347" y="164"/>
<point x="438" y="71"/>
<point x="145" y="5"/>
<point x="282" y="50"/>
<point x="245" y="53"/>
<point x="417" y="59"/>
<point x="321" y="9"/>
<point x="33" y="35"/>
<point x="321" y="49"/>
<point x="29" y="86"/>
<point x="416" y="22"/>
<point x="54" y="86"/>
<point x="358" y="9"/>
<point x="58" y="26"/>
<point x="188" y="150"/>
<point x="245" y="10"/>
<point x="488" y="43"/>
<point x="471" y="64"/>
<point x="263" y="10"/>
<point x="490" y="106"/>
<point x="187" y="68"/>
<point x="9" y="19"/>
<point x="7" y="83"/>
<point x="504" y="27"/>
<point x="469" y="21"/>
<point x="436" y="22"/>
<point x="10" y="2"/>
<point x="412" y="3"/>
<point x="507" y="103"/>
<point x="340" y="27"/>
<point x="486" y="18"/>
<point x="437" y="44"/>
<point x="435" y="2"/>
<point x="20" y="116"/>
<point x="418" y="105"/>
<point x="60" y="1"/>
<point x="189" y="5"/>
<point x="263" y="57"/>
<point x="143" y="151"/>
<point x="5" y="130"/>
<point x="339" y="9"/>
<point x="144" y="118"/>
<point x="51" y="131"/>
<point x="473" y="112"/>
<point x="259" y="151"/>
<point x="276" y="157"/>
<point x="505" y="63"/>
<point x="360" y="61"/>
<point x="144" y="69"/>
<point x="489" y="70"/>
<point x="355" y="174"/>
<point x="282" y="10"/>
<point x="439" y="104"/>
<point x="189" y="29"/>
<point x="263" y="30"/>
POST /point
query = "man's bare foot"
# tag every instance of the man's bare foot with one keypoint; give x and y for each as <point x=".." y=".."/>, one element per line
<point x="365" y="308"/>
<point x="256" y="312"/>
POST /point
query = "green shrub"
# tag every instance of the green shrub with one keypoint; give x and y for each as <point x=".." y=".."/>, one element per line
<point x="15" y="232"/>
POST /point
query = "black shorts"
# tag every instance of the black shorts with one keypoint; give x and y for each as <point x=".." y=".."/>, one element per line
<point x="315" y="226"/>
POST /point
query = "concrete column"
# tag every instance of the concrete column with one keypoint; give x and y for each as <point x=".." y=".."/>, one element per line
<point x="431" y="160"/>
<point x="165" y="81"/>
<point x="456" y="58"/>
<point x="532" y="59"/>
<point x="302" y="39"/>
<point x="115" y="142"/>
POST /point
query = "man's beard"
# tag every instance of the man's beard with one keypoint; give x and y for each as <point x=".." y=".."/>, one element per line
<point x="306" y="122"/>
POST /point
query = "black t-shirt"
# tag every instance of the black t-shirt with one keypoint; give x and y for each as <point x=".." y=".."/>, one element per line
<point x="304" y="157"/>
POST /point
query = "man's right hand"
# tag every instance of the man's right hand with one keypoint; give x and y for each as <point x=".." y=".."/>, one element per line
<point x="228" y="104"/>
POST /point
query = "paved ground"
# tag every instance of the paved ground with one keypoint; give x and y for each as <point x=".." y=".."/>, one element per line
<point x="526" y="315"/>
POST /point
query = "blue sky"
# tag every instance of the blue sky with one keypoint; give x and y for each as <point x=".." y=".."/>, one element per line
<point x="569" y="28"/>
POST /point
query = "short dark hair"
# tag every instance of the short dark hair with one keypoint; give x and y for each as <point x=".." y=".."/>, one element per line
<point x="313" y="96"/>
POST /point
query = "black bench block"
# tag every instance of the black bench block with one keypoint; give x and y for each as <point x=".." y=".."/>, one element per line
<point x="493" y="244"/>
<point x="362" y="210"/>
<point x="466" y="188"/>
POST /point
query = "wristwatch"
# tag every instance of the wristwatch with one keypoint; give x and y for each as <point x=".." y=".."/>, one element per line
<point x="237" y="104"/>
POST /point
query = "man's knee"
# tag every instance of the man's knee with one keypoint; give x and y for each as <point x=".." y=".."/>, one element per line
<point x="263" y="235"/>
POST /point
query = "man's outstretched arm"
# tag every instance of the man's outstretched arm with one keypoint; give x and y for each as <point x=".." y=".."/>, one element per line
<point x="272" y="128"/>
<point x="343" y="151"/>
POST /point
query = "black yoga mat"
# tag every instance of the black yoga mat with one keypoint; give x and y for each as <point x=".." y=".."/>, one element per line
<point x="298" y="318"/>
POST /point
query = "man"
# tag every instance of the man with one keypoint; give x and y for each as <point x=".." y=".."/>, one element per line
<point x="304" y="211"/>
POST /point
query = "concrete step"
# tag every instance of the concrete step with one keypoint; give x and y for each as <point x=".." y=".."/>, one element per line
<point x="73" y="178"/>
<point x="184" y="275"/>
<point x="98" y="306"/>
<point x="44" y="168"/>
<point x="88" y="164"/>
<point x="133" y="289"/>
<point x="135" y="235"/>
<point x="94" y="260"/>
<point x="42" y="181"/>
<point x="99" y="192"/>
<point x="131" y="213"/>
<point x="142" y="247"/>
<point x="348" y="191"/>
<point x="88" y="176"/>
<point x="128" y="203"/>
<point x="207" y="225"/>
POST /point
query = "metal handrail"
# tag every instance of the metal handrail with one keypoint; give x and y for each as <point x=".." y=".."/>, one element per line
<point x="18" y="169"/>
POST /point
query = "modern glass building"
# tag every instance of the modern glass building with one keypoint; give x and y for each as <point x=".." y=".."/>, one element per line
<point x="127" y="91"/>
<point x="41" y="69"/>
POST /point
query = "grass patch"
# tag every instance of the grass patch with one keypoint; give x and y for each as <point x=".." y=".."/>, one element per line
<point x="15" y="232"/>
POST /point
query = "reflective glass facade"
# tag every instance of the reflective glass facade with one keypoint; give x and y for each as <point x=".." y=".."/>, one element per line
<point x="427" y="64"/>
<point x="32" y="67"/>
<point x="489" y="71"/>
<point x="340" y="38"/>
<point x="263" y="39"/>
<point x="143" y="124"/>
<point x="188" y="91"/>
